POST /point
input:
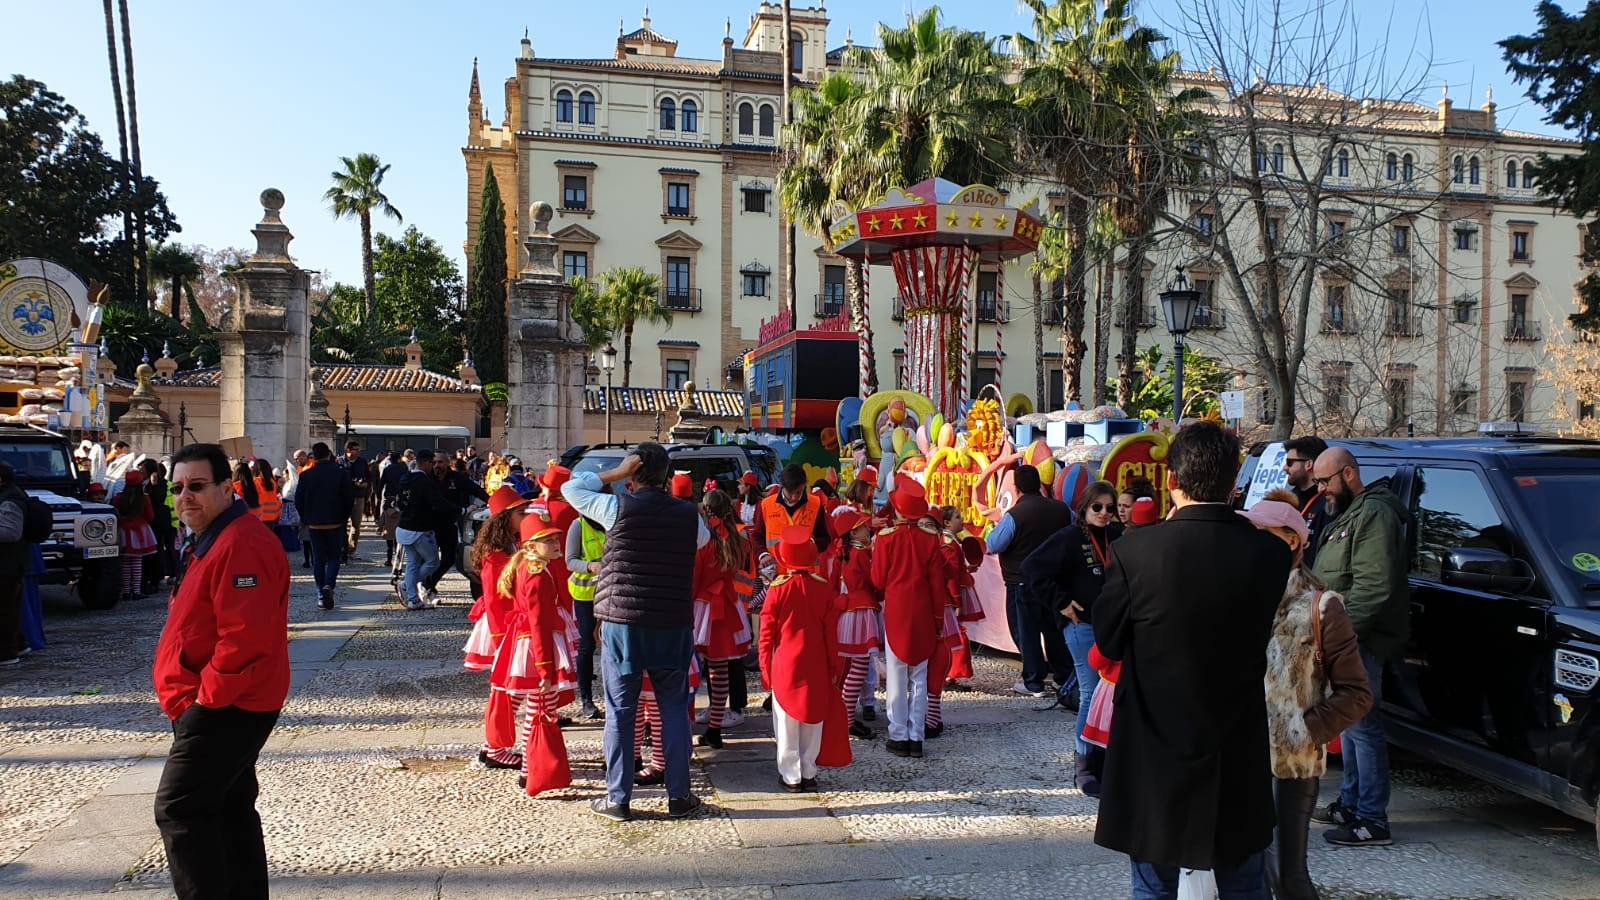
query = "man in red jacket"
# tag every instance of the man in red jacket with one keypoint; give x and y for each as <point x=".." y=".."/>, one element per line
<point x="221" y="674"/>
<point x="909" y="571"/>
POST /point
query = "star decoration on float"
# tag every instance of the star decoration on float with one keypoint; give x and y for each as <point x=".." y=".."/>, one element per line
<point x="872" y="224"/>
<point x="920" y="220"/>
<point x="1000" y="222"/>
<point x="977" y="220"/>
<point x="952" y="219"/>
<point x="896" y="221"/>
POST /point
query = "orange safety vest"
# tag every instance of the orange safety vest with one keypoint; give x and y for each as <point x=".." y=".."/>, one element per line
<point x="776" y="518"/>
<point x="271" y="504"/>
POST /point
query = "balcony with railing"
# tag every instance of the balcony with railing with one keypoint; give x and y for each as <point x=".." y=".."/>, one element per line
<point x="1208" y="318"/>
<point x="1054" y="310"/>
<point x="1338" y="323"/>
<point x="991" y="308"/>
<point x="1401" y="326"/>
<point x="680" y="299"/>
<point x="829" y="304"/>
<point x="898" y="310"/>
<point x="1523" y="331"/>
<point x="1147" y="317"/>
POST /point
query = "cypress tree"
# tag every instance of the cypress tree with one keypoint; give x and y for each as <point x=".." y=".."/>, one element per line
<point x="486" y="294"/>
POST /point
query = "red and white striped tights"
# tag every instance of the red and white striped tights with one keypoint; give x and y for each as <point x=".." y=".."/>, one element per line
<point x="512" y="755"/>
<point x="538" y="705"/>
<point x="855" y="678"/>
<point x="132" y="574"/>
<point x="648" y="715"/>
<point x="717" y="672"/>
<point x="935" y="714"/>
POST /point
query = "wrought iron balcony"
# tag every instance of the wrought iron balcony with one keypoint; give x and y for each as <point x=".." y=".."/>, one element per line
<point x="991" y="308"/>
<point x="1147" y="317"/>
<point x="829" y="304"/>
<point x="680" y="299"/>
<point x="1338" y="324"/>
<point x="1522" y="330"/>
<point x="1208" y="318"/>
<point x="1054" y="310"/>
<point x="1396" y="326"/>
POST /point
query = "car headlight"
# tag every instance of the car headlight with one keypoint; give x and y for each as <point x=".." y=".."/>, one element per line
<point x="101" y="530"/>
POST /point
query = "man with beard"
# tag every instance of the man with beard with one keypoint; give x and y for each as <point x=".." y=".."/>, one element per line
<point x="1298" y="456"/>
<point x="1362" y="555"/>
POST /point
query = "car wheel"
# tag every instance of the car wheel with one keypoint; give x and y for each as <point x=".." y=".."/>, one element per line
<point x="100" y="584"/>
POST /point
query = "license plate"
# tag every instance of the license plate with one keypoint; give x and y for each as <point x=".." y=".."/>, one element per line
<point x="99" y="552"/>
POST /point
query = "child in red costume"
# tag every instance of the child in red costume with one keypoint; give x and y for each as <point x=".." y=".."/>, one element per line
<point x="497" y="541"/>
<point x="910" y="572"/>
<point x="797" y="660"/>
<point x="721" y="622"/>
<point x="535" y="659"/>
<point x="856" y="628"/>
<point x="1097" y="727"/>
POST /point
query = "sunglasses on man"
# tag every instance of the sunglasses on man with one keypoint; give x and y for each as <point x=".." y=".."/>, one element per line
<point x="178" y="487"/>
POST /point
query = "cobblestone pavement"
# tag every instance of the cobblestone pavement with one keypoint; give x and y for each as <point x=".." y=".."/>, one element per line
<point x="369" y="788"/>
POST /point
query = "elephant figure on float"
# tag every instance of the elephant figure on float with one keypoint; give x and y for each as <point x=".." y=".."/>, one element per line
<point x="995" y="491"/>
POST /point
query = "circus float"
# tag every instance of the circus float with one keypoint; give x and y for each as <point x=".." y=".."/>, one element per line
<point x="53" y="374"/>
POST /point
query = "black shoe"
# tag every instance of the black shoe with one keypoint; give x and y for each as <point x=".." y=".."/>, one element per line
<point x="591" y="713"/>
<point x="1359" y="833"/>
<point x="605" y="809"/>
<point x="522" y="782"/>
<point x="899" y="748"/>
<point x="682" y="807"/>
<point x="563" y="721"/>
<point x="388" y="563"/>
<point x="767" y="703"/>
<point x="326" y="601"/>
<point x="490" y="762"/>
<point x="306" y="564"/>
<point x="712" y="738"/>
<point x="792" y="788"/>
<point x="650" y="779"/>
<point x="869" y="714"/>
<point x="857" y="729"/>
<point x="1334" y="813"/>
<point x="933" y="731"/>
<point x="808" y="785"/>
<point x="914" y="749"/>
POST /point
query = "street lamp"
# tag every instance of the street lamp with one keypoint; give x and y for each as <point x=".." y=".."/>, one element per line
<point x="1178" y="305"/>
<point x="608" y="364"/>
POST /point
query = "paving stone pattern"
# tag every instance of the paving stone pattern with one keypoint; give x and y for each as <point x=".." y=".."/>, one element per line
<point x="370" y="787"/>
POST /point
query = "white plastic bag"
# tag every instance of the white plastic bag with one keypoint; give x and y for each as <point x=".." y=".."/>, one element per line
<point x="1197" y="884"/>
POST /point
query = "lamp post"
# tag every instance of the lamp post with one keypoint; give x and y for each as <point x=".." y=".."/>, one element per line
<point x="1178" y="305"/>
<point x="608" y="364"/>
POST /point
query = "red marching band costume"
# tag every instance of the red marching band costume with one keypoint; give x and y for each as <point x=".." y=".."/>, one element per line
<point x="857" y="607"/>
<point x="489" y="615"/>
<point x="798" y="657"/>
<point x="909" y="569"/>
<point x="721" y="616"/>
<point x="536" y="661"/>
<point x="952" y="659"/>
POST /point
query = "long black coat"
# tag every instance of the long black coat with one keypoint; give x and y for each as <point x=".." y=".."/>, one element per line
<point x="1188" y="607"/>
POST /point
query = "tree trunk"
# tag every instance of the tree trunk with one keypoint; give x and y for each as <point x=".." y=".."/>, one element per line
<point x="1041" y="393"/>
<point x="627" y="352"/>
<point x="1076" y="298"/>
<point x="172" y="301"/>
<point x="141" y="260"/>
<point x="368" y="284"/>
<point x="1102" y="332"/>
<point x="860" y="317"/>
<point x="122" y="143"/>
<point x="1284" y="413"/>
<point x="1132" y="295"/>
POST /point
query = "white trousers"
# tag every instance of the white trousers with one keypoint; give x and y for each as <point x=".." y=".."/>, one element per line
<point x="798" y="745"/>
<point x="907" y="693"/>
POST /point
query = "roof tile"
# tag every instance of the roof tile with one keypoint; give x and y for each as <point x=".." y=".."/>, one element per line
<point x="714" y="404"/>
<point x="349" y="377"/>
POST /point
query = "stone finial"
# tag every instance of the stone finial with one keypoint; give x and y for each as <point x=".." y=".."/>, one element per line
<point x="466" y="371"/>
<point x="318" y="422"/>
<point x="272" y="236"/>
<point x="540" y="246"/>
<point x="143" y="374"/>
<point x="166" y="366"/>
<point x="689" y="429"/>
<point x="527" y="45"/>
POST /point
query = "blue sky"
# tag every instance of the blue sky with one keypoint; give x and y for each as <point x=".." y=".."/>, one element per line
<point x="234" y="97"/>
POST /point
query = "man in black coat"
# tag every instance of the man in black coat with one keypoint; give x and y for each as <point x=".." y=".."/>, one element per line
<point x="1188" y="607"/>
<point x="323" y="496"/>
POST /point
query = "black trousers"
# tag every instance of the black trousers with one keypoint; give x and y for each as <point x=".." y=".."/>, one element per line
<point x="738" y="687"/>
<point x="206" y="804"/>
<point x="449" y="555"/>
<point x="10" y="616"/>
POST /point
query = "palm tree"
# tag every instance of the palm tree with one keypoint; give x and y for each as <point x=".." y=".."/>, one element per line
<point x="122" y="143"/>
<point x="342" y="331"/>
<point x="141" y="263"/>
<point x="178" y="267"/>
<point x="589" y="310"/>
<point x="816" y="179"/>
<point x="357" y="192"/>
<point x="632" y="295"/>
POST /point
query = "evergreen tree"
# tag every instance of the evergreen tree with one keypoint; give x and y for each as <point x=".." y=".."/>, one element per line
<point x="486" y="294"/>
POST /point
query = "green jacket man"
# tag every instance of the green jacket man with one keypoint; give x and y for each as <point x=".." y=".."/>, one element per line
<point x="1362" y="555"/>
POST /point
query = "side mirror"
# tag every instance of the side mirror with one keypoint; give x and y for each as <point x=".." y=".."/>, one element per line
<point x="1484" y="569"/>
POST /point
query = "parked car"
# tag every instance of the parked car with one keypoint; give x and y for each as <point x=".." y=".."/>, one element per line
<point x="83" y="544"/>
<point x="1501" y="676"/>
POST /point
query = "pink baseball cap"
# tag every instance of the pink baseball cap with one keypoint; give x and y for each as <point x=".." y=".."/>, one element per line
<point x="1277" y="514"/>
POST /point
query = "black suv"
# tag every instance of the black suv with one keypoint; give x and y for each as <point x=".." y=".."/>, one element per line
<point x="1501" y="676"/>
<point x="83" y="545"/>
<point x="724" y="462"/>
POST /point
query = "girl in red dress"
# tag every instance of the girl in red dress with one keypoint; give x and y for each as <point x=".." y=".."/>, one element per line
<point x="535" y="660"/>
<point x="721" y="622"/>
<point x="856" y="610"/>
<point x="497" y="541"/>
<point x="134" y="514"/>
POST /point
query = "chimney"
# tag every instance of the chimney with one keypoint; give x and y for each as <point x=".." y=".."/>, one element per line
<point x="466" y="372"/>
<point x="527" y="45"/>
<point x="166" y="366"/>
<point x="1444" y="106"/>
<point x="413" y="352"/>
<point x="1489" y="107"/>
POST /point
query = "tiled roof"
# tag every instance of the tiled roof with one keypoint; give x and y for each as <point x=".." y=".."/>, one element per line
<point x="642" y="142"/>
<point x="668" y="64"/>
<point x="348" y="377"/>
<point x="713" y="404"/>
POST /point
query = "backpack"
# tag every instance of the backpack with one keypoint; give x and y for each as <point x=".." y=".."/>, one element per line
<point x="37" y="520"/>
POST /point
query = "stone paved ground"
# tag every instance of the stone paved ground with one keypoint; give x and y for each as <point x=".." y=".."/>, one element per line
<point x="368" y="790"/>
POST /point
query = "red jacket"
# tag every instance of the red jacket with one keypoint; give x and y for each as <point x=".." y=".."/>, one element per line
<point x="226" y="642"/>
<point x="909" y="570"/>
<point x="797" y="646"/>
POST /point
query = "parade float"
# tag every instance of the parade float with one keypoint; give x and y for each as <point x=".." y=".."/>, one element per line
<point x="53" y="373"/>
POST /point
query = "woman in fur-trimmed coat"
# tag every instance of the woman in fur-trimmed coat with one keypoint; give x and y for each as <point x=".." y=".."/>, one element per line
<point x="1316" y="687"/>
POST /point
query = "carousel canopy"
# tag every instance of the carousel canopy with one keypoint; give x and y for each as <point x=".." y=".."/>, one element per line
<point x="936" y="213"/>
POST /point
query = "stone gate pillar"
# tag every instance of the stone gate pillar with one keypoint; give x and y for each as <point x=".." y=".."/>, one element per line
<point x="545" y="353"/>
<point x="265" y="344"/>
<point x="142" y="426"/>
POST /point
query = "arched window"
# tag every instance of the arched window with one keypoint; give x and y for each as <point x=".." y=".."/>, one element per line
<point x="766" y="120"/>
<point x="1511" y="174"/>
<point x="691" y="116"/>
<point x="797" y="51"/>
<point x="1527" y="175"/>
<point x="1474" y="171"/>
<point x="1391" y="167"/>
<point x="586" y="108"/>
<point x="1277" y="158"/>
<point x="1460" y="170"/>
<point x="1344" y="163"/>
<point x="563" y="105"/>
<point x="1408" y="167"/>
<point x="669" y="114"/>
<point x="747" y="118"/>
<point x="1261" y="159"/>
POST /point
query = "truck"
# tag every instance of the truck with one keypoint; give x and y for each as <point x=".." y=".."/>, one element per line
<point x="83" y="546"/>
